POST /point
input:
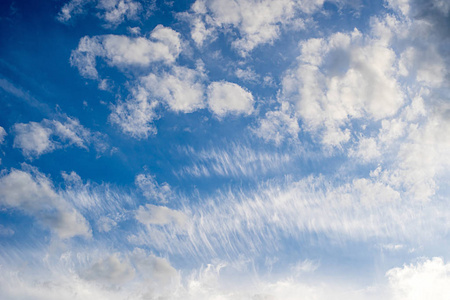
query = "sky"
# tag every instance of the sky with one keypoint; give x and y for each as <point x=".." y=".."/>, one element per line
<point x="211" y="149"/>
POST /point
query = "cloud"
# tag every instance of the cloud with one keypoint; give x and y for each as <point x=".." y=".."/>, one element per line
<point x="152" y="190"/>
<point x="234" y="160"/>
<point x="34" y="194"/>
<point x="136" y="114"/>
<point x="226" y="98"/>
<point x="343" y="77"/>
<point x="113" y="12"/>
<point x="163" y="45"/>
<point x="278" y="126"/>
<point x="429" y="278"/>
<point x="110" y="271"/>
<point x="160" y="215"/>
<point x="5" y="231"/>
<point x="3" y="134"/>
<point x="257" y="22"/>
<point x="35" y="139"/>
<point x="181" y="90"/>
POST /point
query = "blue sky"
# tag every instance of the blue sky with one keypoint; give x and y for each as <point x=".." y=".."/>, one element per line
<point x="209" y="149"/>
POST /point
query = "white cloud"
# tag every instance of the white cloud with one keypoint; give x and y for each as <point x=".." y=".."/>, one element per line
<point x="233" y="160"/>
<point x="35" y="139"/>
<point x="278" y="126"/>
<point x="163" y="45"/>
<point x="152" y="190"/>
<point x="136" y="114"/>
<point x="181" y="89"/>
<point x="2" y="135"/>
<point x="160" y="215"/>
<point x="428" y="279"/>
<point x="257" y="22"/>
<point x="113" y="12"/>
<point x="343" y="77"/>
<point x="229" y="98"/>
<point x="34" y="195"/>
<point x="366" y="150"/>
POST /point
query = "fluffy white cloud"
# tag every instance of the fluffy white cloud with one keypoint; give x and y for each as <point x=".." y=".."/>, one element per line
<point x="113" y="12"/>
<point x="163" y="45"/>
<point x="160" y="215"/>
<point x="2" y="135"/>
<point x="152" y="190"/>
<point x="35" y="139"/>
<point x="257" y="22"/>
<point x="428" y="279"/>
<point x="33" y="194"/>
<point x="229" y="98"/>
<point x="278" y="126"/>
<point x="181" y="89"/>
<point x="343" y="77"/>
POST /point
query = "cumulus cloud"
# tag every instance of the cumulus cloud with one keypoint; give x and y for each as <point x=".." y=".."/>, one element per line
<point x="428" y="278"/>
<point x="113" y="12"/>
<point x="152" y="190"/>
<point x="163" y="45"/>
<point x="35" y="139"/>
<point x="257" y="22"/>
<point x="33" y="193"/>
<point x="181" y="90"/>
<point x="343" y="77"/>
<point x="226" y="98"/>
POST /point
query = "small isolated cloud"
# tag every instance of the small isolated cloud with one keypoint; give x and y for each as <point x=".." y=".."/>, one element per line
<point x="33" y="193"/>
<point x="152" y="190"/>
<point x="278" y="126"/>
<point x="35" y="139"/>
<point x="2" y="135"/>
<point x="110" y="271"/>
<point x="160" y="215"/>
<point x="427" y="279"/>
<point x="226" y="98"/>
<point x="163" y="45"/>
